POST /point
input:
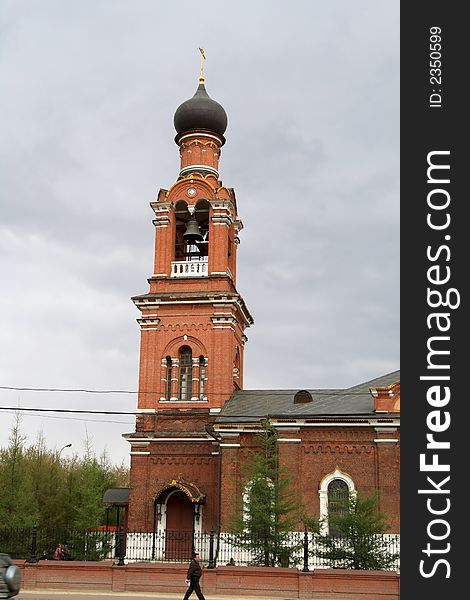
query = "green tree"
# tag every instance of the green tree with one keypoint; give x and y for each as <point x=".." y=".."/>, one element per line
<point x="358" y="542"/>
<point x="39" y="487"/>
<point x="268" y="513"/>
<point x="92" y="479"/>
<point x="48" y="477"/>
<point x="18" y="507"/>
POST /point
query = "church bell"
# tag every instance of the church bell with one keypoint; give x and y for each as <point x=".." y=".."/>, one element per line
<point x="192" y="233"/>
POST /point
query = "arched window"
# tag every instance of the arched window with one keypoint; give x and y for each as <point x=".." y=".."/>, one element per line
<point x="335" y="489"/>
<point x="168" y="378"/>
<point x="338" y="497"/>
<point x="186" y="373"/>
<point x="202" y="377"/>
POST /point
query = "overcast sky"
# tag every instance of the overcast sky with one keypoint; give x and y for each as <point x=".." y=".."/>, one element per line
<point x="88" y="93"/>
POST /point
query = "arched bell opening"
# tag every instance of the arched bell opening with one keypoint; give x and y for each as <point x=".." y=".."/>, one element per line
<point x="192" y="231"/>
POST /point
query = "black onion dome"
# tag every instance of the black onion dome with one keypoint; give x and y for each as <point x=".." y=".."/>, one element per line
<point x="200" y="112"/>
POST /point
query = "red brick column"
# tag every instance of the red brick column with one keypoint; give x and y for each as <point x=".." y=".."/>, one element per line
<point x="289" y="453"/>
<point x="230" y="491"/>
<point x="388" y="475"/>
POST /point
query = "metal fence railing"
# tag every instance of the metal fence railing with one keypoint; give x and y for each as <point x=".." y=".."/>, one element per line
<point x="305" y="551"/>
<point x="39" y="543"/>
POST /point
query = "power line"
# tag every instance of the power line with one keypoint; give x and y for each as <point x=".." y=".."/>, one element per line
<point x="69" y="410"/>
<point x="175" y="412"/>
<point x="32" y="389"/>
<point x="342" y="392"/>
<point x="11" y="412"/>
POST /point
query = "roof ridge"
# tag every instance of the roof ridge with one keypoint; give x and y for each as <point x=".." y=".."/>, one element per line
<point x="376" y="379"/>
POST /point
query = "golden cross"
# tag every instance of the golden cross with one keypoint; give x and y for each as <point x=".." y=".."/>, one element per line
<point x="203" y="58"/>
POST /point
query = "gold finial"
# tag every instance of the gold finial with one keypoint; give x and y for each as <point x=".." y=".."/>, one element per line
<point x="203" y="58"/>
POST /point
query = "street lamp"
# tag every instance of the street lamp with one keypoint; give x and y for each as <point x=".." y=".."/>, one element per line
<point x="63" y="448"/>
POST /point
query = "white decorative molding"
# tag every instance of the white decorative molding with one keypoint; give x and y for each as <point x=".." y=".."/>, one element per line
<point x="226" y="432"/>
<point x="193" y="400"/>
<point x="221" y="220"/>
<point x="323" y="493"/>
<point x="148" y="320"/>
<point x="200" y="134"/>
<point x="146" y="303"/>
<point x="190" y="168"/>
<point x="227" y="319"/>
<point x="285" y="428"/>
<point x="154" y="439"/>
<point x="330" y="422"/>
<point x="162" y="212"/>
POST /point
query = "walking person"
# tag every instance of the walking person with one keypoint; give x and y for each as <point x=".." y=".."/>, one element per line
<point x="192" y="578"/>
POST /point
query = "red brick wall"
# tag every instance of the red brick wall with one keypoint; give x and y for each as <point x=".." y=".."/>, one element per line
<point x="217" y="345"/>
<point x="322" y="584"/>
<point x="192" y="462"/>
<point x="372" y="466"/>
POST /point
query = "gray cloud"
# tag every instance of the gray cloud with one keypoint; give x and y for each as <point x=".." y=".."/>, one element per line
<point x="89" y="91"/>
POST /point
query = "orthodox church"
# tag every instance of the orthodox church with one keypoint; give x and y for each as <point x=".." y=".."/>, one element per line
<point x="195" y="420"/>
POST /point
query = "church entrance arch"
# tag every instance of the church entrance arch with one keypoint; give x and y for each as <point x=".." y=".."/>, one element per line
<point x="179" y="509"/>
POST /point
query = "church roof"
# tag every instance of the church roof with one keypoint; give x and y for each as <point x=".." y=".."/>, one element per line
<point x="200" y="112"/>
<point x="246" y="406"/>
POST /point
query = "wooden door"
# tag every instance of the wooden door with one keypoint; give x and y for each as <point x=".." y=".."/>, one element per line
<point x="179" y="527"/>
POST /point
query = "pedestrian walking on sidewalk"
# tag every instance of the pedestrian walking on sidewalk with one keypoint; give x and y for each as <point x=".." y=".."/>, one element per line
<point x="192" y="578"/>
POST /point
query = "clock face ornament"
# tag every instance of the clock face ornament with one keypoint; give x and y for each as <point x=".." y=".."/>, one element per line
<point x="191" y="192"/>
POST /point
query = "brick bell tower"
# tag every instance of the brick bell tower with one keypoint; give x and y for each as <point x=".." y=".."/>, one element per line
<point x="192" y="335"/>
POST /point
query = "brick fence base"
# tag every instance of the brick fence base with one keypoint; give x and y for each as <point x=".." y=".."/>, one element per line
<point x="322" y="584"/>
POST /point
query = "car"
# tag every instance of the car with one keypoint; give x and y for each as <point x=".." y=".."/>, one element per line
<point x="10" y="577"/>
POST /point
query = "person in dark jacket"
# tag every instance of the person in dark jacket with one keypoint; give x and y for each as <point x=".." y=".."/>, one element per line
<point x="192" y="578"/>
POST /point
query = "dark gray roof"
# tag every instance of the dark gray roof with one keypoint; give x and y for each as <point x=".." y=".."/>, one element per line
<point x="200" y="112"/>
<point x="116" y="496"/>
<point x="246" y="406"/>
